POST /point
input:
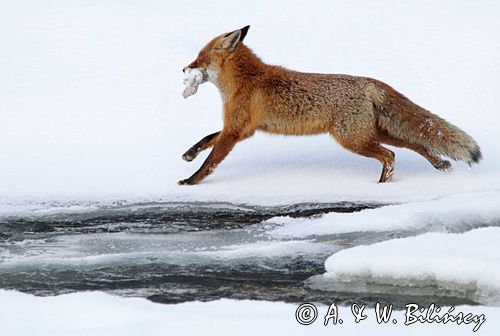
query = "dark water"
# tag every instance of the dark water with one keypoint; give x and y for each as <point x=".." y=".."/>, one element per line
<point x="176" y="252"/>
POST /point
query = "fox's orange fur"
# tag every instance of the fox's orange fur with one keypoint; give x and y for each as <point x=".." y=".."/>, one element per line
<point x="360" y="113"/>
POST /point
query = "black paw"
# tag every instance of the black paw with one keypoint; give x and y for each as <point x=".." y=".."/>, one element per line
<point x="190" y="155"/>
<point x="443" y="165"/>
<point x="187" y="181"/>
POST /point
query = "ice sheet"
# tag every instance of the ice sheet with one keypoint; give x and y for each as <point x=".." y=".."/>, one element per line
<point x="454" y="213"/>
<point x="466" y="263"/>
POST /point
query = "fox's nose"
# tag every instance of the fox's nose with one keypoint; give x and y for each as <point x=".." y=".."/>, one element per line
<point x="184" y="69"/>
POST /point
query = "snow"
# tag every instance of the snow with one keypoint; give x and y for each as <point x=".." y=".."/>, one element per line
<point x="467" y="261"/>
<point x="91" y="108"/>
<point x="97" y="314"/>
<point x="459" y="212"/>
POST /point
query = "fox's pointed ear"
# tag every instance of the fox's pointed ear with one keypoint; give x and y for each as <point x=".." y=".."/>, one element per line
<point x="231" y="40"/>
<point x="244" y="32"/>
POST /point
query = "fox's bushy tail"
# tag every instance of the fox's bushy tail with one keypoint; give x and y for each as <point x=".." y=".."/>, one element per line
<point x="405" y="120"/>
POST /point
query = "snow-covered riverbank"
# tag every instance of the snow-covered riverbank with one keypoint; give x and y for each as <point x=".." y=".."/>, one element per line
<point x="102" y="314"/>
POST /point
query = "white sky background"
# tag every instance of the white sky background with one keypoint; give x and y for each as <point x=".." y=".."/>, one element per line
<point x="91" y="106"/>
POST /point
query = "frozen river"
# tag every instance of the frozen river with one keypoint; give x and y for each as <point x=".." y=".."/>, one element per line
<point x="177" y="252"/>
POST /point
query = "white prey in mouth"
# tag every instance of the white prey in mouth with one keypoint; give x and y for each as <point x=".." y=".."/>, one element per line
<point x="192" y="78"/>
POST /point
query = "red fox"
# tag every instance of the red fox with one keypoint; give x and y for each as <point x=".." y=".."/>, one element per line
<point x="360" y="113"/>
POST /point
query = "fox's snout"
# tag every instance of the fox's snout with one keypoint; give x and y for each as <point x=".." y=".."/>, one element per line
<point x="196" y="64"/>
<point x="192" y="65"/>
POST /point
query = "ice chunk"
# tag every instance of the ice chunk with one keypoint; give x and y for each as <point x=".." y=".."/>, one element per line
<point x="462" y="265"/>
<point x="192" y="78"/>
<point x="454" y="213"/>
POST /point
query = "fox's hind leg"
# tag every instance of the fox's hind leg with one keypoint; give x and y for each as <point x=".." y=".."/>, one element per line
<point x="354" y="129"/>
<point x="435" y="160"/>
<point x="372" y="149"/>
<point x="376" y="151"/>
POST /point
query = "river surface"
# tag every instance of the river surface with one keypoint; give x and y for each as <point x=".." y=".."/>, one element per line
<point x="177" y="252"/>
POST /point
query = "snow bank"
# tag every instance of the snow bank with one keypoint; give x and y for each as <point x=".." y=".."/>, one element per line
<point x="454" y="213"/>
<point x="458" y="264"/>
<point x="101" y="314"/>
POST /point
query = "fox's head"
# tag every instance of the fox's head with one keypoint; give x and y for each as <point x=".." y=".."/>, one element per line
<point x="211" y="58"/>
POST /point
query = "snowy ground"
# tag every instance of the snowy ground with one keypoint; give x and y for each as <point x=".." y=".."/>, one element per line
<point x="90" y="315"/>
<point x="92" y="118"/>
<point x="91" y="98"/>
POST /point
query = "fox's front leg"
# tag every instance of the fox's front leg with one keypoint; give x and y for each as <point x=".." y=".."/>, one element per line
<point x="224" y="145"/>
<point x="200" y="146"/>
